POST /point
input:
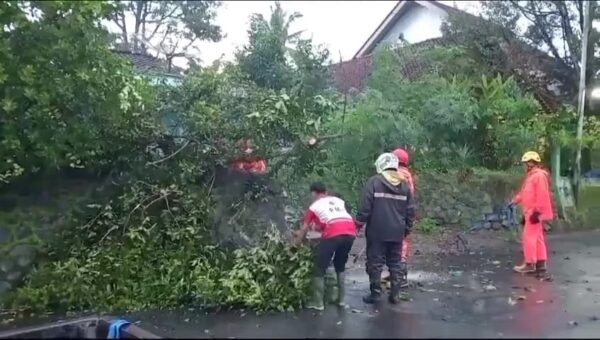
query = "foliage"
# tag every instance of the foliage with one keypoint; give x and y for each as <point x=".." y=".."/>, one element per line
<point x="448" y="122"/>
<point x="427" y="226"/>
<point x="490" y="117"/>
<point x="65" y="107"/>
<point x="169" y="28"/>
<point x="555" y="26"/>
<point x="274" y="58"/>
<point x="145" y="240"/>
<point x="151" y="247"/>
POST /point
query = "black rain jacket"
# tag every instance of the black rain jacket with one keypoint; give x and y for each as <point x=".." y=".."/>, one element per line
<point x="387" y="207"/>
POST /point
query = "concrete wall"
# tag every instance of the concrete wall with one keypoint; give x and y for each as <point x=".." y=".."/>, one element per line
<point x="416" y="25"/>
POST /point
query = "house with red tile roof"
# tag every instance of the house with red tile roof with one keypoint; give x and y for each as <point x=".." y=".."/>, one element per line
<point x="417" y="25"/>
<point x="414" y="23"/>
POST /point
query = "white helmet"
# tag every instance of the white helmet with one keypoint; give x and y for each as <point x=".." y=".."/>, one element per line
<point x="386" y="161"/>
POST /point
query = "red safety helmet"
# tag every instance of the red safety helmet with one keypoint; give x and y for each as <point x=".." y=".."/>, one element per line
<point x="403" y="157"/>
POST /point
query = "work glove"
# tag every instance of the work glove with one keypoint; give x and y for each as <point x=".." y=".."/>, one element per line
<point x="535" y="217"/>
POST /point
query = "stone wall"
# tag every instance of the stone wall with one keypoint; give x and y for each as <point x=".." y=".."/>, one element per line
<point x="22" y="231"/>
<point x="461" y="198"/>
<point x="30" y="215"/>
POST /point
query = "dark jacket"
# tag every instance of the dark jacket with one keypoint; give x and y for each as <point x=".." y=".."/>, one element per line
<point x="387" y="207"/>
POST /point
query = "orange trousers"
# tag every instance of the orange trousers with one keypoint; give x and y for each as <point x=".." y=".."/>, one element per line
<point x="405" y="248"/>
<point x="534" y="242"/>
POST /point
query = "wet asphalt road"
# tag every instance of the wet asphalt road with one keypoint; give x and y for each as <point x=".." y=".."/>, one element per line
<point x="471" y="295"/>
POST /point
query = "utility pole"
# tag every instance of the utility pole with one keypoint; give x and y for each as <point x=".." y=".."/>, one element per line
<point x="582" y="93"/>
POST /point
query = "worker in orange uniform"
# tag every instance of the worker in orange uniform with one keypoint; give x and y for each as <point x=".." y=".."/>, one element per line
<point x="249" y="163"/>
<point x="404" y="171"/>
<point x="536" y="200"/>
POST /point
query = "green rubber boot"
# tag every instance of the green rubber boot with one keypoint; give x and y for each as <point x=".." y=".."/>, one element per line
<point x="317" y="297"/>
<point x="341" y="290"/>
<point x="331" y="287"/>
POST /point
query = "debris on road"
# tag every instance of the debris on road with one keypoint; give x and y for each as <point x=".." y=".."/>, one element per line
<point x="7" y="321"/>
<point x="573" y="323"/>
<point x="593" y="318"/>
<point x="529" y="289"/>
<point x="489" y="287"/>
<point x="425" y="290"/>
<point x="405" y="297"/>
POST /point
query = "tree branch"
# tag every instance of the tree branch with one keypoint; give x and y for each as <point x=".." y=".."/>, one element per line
<point x="540" y="26"/>
<point x="568" y="35"/>
<point x="579" y="5"/>
<point x="290" y="153"/>
<point x="159" y="22"/>
<point x="171" y="155"/>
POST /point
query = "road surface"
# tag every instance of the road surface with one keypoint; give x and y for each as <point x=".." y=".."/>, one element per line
<point x="454" y="296"/>
<point x="470" y="295"/>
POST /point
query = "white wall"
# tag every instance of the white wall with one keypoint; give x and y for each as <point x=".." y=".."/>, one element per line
<point x="417" y="24"/>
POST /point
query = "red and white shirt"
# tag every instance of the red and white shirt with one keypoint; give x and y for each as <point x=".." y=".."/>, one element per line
<point x="329" y="213"/>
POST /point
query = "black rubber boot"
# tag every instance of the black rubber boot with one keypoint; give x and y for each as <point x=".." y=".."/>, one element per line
<point x="375" y="287"/>
<point x="540" y="267"/>
<point x="404" y="277"/>
<point x="396" y="281"/>
<point x="394" y="296"/>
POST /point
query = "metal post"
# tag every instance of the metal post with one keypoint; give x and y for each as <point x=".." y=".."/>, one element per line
<point x="582" y="84"/>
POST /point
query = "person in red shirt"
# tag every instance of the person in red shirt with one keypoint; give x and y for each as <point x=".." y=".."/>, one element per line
<point x="535" y="197"/>
<point x="404" y="171"/>
<point x="249" y="162"/>
<point x="328" y="214"/>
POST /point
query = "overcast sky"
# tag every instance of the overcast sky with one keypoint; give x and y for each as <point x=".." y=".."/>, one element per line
<point x="342" y="26"/>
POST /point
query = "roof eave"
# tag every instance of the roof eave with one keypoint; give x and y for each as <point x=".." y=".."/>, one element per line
<point x="367" y="45"/>
<point x="384" y="26"/>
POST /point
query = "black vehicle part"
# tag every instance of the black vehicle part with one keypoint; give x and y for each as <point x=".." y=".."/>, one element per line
<point x="84" y="328"/>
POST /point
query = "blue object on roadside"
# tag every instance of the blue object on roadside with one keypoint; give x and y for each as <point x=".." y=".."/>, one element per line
<point x="114" y="330"/>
